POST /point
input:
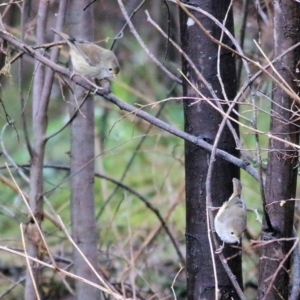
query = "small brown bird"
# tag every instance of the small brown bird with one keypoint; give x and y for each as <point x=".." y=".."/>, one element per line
<point x="230" y="221"/>
<point x="91" y="60"/>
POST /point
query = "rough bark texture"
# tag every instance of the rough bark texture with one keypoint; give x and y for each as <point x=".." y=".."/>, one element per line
<point x="203" y="121"/>
<point x="82" y="165"/>
<point x="283" y="159"/>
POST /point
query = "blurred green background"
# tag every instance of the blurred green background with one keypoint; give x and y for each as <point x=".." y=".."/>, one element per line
<point x="157" y="170"/>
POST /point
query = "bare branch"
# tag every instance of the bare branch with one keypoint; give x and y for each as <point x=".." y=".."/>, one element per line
<point x="122" y="105"/>
<point x="153" y="58"/>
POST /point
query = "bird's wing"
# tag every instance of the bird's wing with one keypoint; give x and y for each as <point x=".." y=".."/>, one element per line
<point x="64" y="36"/>
<point x="78" y="45"/>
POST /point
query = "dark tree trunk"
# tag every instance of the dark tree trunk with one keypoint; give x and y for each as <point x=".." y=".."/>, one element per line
<point x="202" y="120"/>
<point x="283" y="159"/>
<point x="82" y="165"/>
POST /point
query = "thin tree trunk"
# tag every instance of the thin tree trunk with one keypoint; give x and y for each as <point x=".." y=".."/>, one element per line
<point x="39" y="125"/>
<point x="82" y="165"/>
<point x="282" y="161"/>
<point x="203" y="121"/>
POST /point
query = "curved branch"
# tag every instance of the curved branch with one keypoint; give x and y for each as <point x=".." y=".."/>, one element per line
<point x="136" y="35"/>
<point x="127" y="188"/>
<point x="199" y="141"/>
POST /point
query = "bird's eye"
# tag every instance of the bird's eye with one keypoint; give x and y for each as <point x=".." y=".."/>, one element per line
<point x="232" y="233"/>
<point x="110" y="69"/>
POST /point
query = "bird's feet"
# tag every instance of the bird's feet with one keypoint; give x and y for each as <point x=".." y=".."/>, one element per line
<point x="220" y="249"/>
<point x="97" y="88"/>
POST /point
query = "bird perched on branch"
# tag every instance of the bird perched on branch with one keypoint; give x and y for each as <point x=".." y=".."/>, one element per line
<point x="231" y="219"/>
<point x="89" y="59"/>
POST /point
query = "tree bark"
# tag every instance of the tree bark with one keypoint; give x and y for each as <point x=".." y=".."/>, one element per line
<point x="43" y="81"/>
<point x="202" y="120"/>
<point x="282" y="160"/>
<point x="39" y="125"/>
<point x="82" y="165"/>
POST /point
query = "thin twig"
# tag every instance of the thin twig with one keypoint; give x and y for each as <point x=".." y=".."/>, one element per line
<point x="242" y="38"/>
<point x="155" y="231"/>
<point x="296" y="242"/>
<point x="132" y="191"/>
<point x="110" y="291"/>
<point x="193" y="66"/>
<point x="17" y="283"/>
<point x="280" y="81"/>
<point x="28" y="263"/>
<point x="122" y="105"/>
<point x="9" y="158"/>
<point x="69" y="121"/>
<point x="239" y="51"/>
<point x="174" y="280"/>
<point x="209" y="216"/>
<point x="209" y="201"/>
<point x="6" y="249"/>
<point x="11" y="185"/>
<point x="268" y="134"/>
<point x="153" y="58"/>
<point x="120" y="34"/>
<point x="34" y="218"/>
<point x="128" y="165"/>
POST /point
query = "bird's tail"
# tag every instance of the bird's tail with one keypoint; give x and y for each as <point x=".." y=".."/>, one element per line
<point x="62" y="35"/>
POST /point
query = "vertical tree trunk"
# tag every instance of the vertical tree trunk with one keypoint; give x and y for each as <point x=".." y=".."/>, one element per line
<point x="283" y="159"/>
<point x="203" y="121"/>
<point x="82" y="164"/>
<point x="42" y="86"/>
<point x="39" y="125"/>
